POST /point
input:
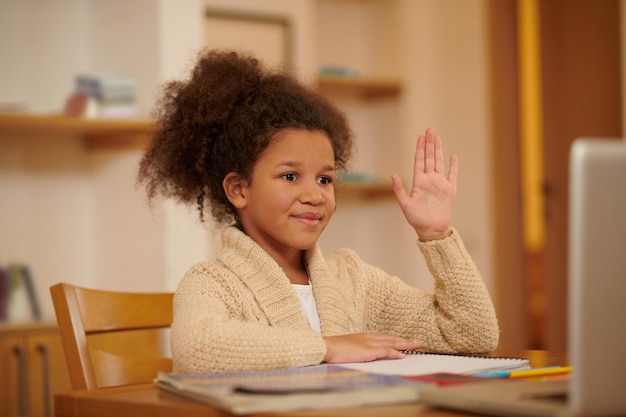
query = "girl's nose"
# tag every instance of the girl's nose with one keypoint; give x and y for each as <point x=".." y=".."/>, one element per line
<point x="312" y="194"/>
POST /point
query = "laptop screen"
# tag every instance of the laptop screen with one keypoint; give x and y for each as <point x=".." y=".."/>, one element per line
<point x="597" y="276"/>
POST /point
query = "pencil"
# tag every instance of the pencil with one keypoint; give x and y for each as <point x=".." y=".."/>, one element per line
<point x="529" y="373"/>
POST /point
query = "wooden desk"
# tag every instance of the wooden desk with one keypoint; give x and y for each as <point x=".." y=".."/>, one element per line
<point x="148" y="401"/>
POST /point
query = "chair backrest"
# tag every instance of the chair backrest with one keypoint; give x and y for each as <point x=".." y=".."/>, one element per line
<point x="99" y="332"/>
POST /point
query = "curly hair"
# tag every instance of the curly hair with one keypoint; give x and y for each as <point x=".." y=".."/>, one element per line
<point x="220" y="120"/>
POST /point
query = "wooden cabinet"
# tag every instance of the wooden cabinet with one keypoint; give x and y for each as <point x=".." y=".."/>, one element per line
<point x="32" y="369"/>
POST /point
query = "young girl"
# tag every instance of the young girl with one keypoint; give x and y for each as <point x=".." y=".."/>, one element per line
<point x="263" y="152"/>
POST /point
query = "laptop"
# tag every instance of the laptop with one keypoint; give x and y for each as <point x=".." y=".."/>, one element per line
<point x="597" y="304"/>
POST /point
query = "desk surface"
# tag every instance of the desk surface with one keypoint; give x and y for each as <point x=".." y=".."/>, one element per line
<point x="148" y="401"/>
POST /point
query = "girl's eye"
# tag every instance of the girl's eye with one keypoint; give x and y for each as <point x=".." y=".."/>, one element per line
<point x="289" y="176"/>
<point x="324" y="180"/>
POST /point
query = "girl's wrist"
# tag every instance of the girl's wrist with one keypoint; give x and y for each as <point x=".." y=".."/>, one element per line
<point x="424" y="236"/>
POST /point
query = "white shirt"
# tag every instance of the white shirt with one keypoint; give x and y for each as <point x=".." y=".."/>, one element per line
<point x="305" y="294"/>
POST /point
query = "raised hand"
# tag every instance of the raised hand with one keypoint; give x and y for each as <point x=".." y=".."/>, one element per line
<point x="428" y="206"/>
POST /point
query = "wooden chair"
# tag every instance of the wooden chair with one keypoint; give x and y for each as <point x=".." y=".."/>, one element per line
<point x="111" y="338"/>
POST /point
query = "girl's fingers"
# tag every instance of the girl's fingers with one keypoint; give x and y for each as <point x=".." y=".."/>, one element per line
<point x="454" y="169"/>
<point x="419" y="154"/>
<point x="439" y="162"/>
<point x="429" y="152"/>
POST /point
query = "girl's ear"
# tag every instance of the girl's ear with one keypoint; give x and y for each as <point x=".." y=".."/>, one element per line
<point x="234" y="186"/>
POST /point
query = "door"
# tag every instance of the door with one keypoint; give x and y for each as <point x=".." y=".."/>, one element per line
<point x="580" y="92"/>
<point x="581" y="72"/>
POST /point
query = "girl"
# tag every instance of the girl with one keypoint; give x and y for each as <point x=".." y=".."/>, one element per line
<point x="263" y="152"/>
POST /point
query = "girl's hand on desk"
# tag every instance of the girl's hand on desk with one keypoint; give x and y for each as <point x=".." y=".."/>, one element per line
<point x="365" y="347"/>
<point x="429" y="204"/>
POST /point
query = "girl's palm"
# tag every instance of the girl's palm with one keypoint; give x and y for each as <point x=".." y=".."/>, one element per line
<point x="428" y="206"/>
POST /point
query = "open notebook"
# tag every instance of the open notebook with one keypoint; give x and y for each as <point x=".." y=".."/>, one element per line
<point x="421" y="363"/>
<point x="597" y="304"/>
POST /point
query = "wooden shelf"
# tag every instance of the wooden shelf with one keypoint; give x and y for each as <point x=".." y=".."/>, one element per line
<point x="352" y="191"/>
<point x="95" y="133"/>
<point x="6" y="326"/>
<point x="362" y="88"/>
<point x="134" y="134"/>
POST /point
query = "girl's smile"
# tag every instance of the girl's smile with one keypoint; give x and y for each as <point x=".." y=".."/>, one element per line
<point x="312" y="219"/>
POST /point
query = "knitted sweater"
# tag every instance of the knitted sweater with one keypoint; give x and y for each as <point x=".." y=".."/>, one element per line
<point x="241" y="311"/>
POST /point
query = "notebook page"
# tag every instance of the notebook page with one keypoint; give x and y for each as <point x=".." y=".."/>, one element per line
<point x="428" y="363"/>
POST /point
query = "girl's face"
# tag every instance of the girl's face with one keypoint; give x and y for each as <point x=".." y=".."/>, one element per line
<point x="290" y="198"/>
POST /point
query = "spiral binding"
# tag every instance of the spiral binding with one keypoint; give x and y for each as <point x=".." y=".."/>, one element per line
<point x="467" y="355"/>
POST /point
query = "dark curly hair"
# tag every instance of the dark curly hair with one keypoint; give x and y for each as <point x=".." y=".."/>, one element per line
<point x="220" y="120"/>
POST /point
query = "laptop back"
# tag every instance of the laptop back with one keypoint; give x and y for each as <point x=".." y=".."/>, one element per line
<point x="597" y="277"/>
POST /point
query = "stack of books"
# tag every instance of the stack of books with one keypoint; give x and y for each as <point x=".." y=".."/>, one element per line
<point x="18" y="300"/>
<point x="102" y="96"/>
<point x="290" y="389"/>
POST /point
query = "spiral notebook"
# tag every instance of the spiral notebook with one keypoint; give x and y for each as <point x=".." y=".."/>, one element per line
<point x="422" y="363"/>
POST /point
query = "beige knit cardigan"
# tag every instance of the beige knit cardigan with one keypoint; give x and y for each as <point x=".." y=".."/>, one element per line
<point x="241" y="312"/>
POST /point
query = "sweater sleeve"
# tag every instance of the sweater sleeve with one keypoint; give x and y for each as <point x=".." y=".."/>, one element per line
<point x="217" y="328"/>
<point x="457" y="317"/>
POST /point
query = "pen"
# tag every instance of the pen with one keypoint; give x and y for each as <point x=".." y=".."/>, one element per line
<point x="529" y="373"/>
<point x="494" y="374"/>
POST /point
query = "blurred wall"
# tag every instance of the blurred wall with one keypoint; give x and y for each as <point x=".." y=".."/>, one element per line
<point x="76" y="215"/>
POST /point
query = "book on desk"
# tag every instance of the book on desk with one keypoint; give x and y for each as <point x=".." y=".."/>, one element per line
<point x="326" y="385"/>
<point x="289" y="389"/>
